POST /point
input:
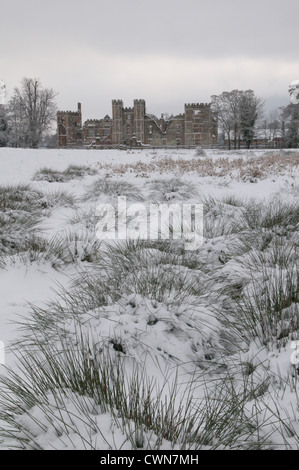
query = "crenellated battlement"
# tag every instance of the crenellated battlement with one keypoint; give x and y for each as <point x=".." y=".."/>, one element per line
<point x="197" y="105"/>
<point x="70" y="113"/>
<point x="91" y="121"/>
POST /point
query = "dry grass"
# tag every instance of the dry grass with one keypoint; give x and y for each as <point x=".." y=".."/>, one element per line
<point x="238" y="168"/>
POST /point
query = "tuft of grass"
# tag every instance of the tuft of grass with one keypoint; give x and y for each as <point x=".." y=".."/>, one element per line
<point x="59" y="398"/>
<point x="277" y="214"/>
<point x="85" y="218"/>
<point x="171" y="189"/>
<point x="110" y="188"/>
<point x="268" y="308"/>
<point x="21" y="197"/>
<point x="80" y="376"/>
<point x="21" y="210"/>
<point x="60" y="198"/>
<point x="79" y="171"/>
<point x="55" y="176"/>
<point x="40" y="250"/>
<point x="81" y="246"/>
<point x="49" y="174"/>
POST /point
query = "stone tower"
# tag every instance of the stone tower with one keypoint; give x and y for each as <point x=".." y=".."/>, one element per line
<point x="200" y="125"/>
<point x="117" y="126"/>
<point x="139" y="114"/>
<point x="69" y="127"/>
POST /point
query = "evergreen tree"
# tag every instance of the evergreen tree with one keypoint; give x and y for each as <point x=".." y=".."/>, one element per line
<point x="250" y="110"/>
<point x="3" y="127"/>
<point x="290" y="118"/>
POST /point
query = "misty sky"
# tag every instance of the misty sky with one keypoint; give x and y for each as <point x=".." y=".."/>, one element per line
<point x="168" y="52"/>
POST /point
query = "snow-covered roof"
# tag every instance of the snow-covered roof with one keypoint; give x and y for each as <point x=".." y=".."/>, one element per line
<point x="294" y="91"/>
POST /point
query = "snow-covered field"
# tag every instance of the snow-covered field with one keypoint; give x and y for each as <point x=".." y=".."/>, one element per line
<point x="125" y="345"/>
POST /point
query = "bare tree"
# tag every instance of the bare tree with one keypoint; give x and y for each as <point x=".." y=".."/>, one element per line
<point x="272" y="126"/>
<point x="221" y="106"/>
<point x="16" y="123"/>
<point x="237" y="113"/>
<point x="32" y="110"/>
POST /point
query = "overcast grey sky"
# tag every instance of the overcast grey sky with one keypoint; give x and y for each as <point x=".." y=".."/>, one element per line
<point x="169" y="52"/>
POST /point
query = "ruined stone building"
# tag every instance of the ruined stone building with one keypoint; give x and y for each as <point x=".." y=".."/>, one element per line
<point x="133" y="127"/>
<point x="69" y="128"/>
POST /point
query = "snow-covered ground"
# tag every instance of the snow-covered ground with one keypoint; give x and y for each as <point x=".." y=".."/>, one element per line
<point x="220" y="321"/>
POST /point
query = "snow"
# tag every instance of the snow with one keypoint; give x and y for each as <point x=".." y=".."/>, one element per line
<point x="160" y="335"/>
<point x="294" y="91"/>
<point x="21" y="285"/>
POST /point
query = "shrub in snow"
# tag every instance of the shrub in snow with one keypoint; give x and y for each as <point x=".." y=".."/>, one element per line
<point x="200" y="152"/>
<point x="111" y="189"/>
<point x="55" y="176"/>
<point x="21" y="209"/>
<point x="171" y="189"/>
<point x="49" y="175"/>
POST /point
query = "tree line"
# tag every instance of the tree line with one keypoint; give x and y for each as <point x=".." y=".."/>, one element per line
<point x="27" y="119"/>
<point x="242" y="121"/>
